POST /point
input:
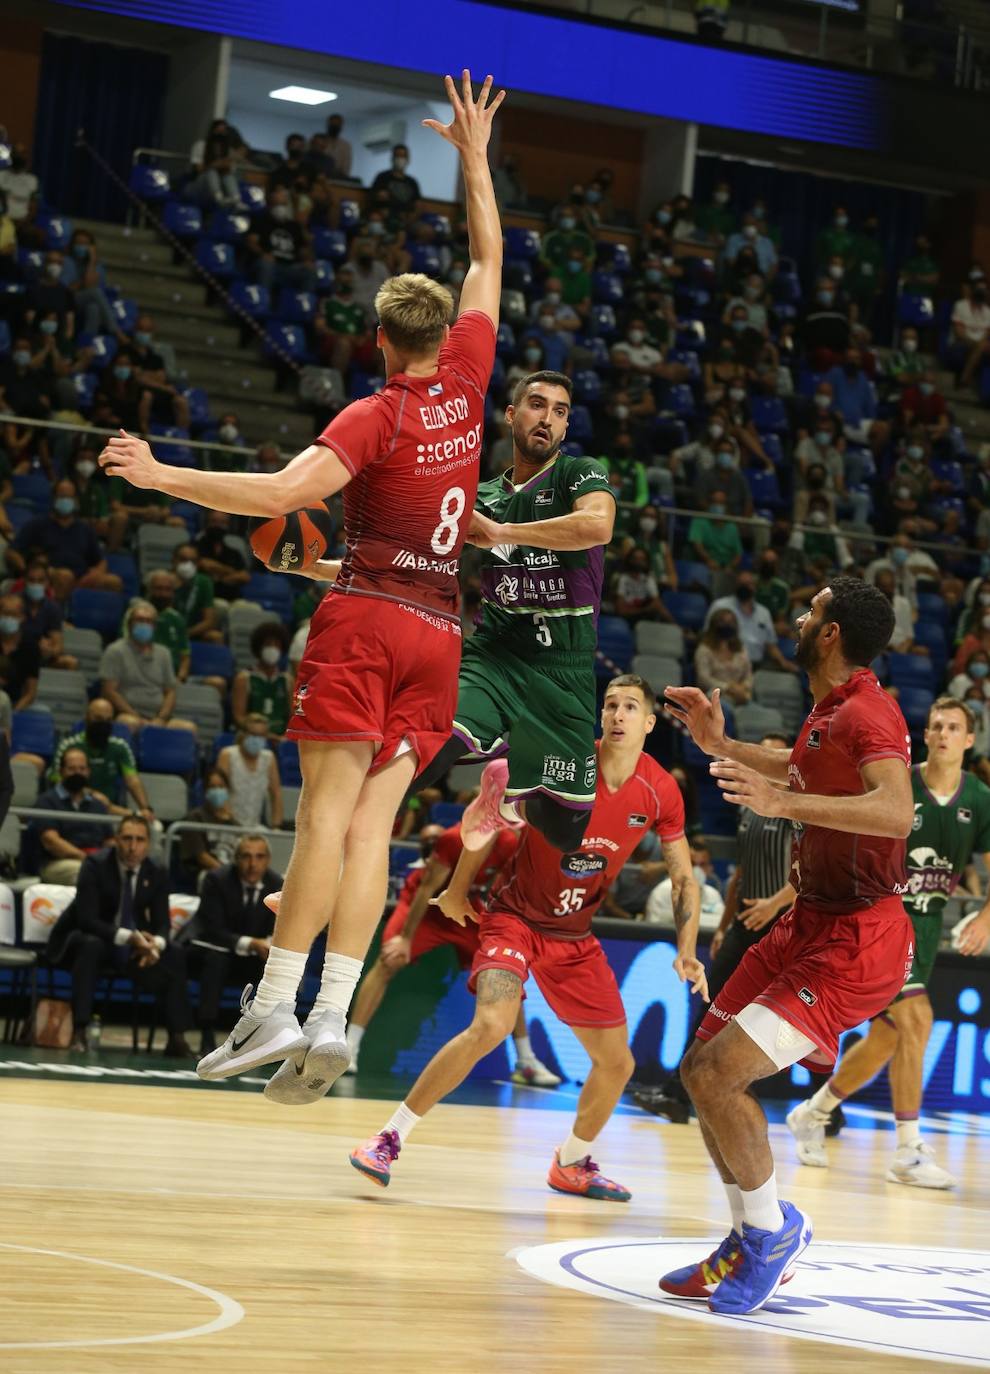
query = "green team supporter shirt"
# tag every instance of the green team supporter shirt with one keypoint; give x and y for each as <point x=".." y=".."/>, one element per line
<point x="107" y="766"/>
<point x="943" y="840"/>
<point x="343" y="317"/>
<point x="172" y="632"/>
<point x="193" y="597"/>
<point x="535" y="599"/>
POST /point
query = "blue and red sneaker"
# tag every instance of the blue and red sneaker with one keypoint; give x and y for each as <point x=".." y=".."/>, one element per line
<point x="584" y="1179"/>
<point x="697" y="1282"/>
<point x="376" y="1156"/>
<point x="765" y="1259"/>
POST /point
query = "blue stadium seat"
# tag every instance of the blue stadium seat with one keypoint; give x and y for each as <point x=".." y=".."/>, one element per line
<point x="606" y="287"/>
<point x="615" y="641"/>
<point x="161" y="750"/>
<point x="199" y="406"/>
<point x="910" y="670"/>
<point x="253" y="299"/>
<point x="687" y="359"/>
<point x="680" y="400"/>
<point x="57" y="230"/>
<point x="104" y="348"/>
<point x="587" y="387"/>
<point x="517" y="275"/>
<point x="175" y="455"/>
<point x="621" y="259"/>
<point x="522" y="243"/>
<point x="324" y="276"/>
<point x="440" y="224"/>
<point x="31" y="261"/>
<point x="125" y="312"/>
<point x="288" y="337"/>
<point x="598" y="349"/>
<point x="773" y="448"/>
<point x="579" y="426"/>
<point x="688" y="608"/>
<point x="288" y="763"/>
<point x="446" y="813"/>
<point x="764" y="488"/>
<point x="216" y="258"/>
<point x="916" y="702"/>
<point x="948" y="470"/>
<point x="271" y="590"/>
<point x="930" y="634"/>
<point x="33" y="732"/>
<point x="228" y="226"/>
<point x="787" y="645"/>
<point x="690" y="335"/>
<point x="85" y="384"/>
<point x="32" y="489"/>
<point x="693" y="574"/>
<point x="150" y="183"/>
<point x="124" y="566"/>
<point x="252" y="196"/>
<point x="931" y="606"/>
<point x="94" y="610"/>
<point x="210" y="660"/>
<point x="184" y="221"/>
<point x="505" y="340"/>
<point x="330" y="244"/>
<point x="4" y="338"/>
<point x="601" y="321"/>
<point x="349" y="217"/>
<point x="297" y="307"/>
<point x="768" y="413"/>
<point x="915" y="309"/>
<point x="572" y="448"/>
<point x="425" y="257"/>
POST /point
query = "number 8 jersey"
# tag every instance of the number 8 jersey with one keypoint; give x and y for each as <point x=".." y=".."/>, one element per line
<point x="413" y="451"/>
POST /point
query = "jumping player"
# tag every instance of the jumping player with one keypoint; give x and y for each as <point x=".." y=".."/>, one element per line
<point x="412" y="930"/>
<point x="951" y="824"/>
<point x="527" y="674"/>
<point x="838" y="956"/>
<point x="376" y="687"/>
<point x="539" y="922"/>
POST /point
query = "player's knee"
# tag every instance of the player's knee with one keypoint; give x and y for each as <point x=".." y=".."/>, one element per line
<point x="700" y="1073"/>
<point x="560" y="825"/>
<point x="617" y="1063"/>
<point x="491" y="1026"/>
<point x="914" y="1016"/>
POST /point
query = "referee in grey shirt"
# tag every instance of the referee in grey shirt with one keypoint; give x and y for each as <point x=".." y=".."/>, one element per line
<point x="758" y="892"/>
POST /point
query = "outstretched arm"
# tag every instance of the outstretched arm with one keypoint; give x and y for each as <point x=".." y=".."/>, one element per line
<point x="454" y="902"/>
<point x="686" y="900"/>
<point x="587" y="526"/>
<point x="884" y="807"/>
<point x="704" y="721"/>
<point x="469" y="132"/>
<point x="309" y="478"/>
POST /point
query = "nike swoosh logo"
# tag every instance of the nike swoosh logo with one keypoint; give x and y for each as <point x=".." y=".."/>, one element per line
<point x="236" y="1045"/>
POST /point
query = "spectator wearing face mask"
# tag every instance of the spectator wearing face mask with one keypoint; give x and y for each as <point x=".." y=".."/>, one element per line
<point x="567" y="242"/>
<point x="338" y="147"/>
<point x="49" y="295"/>
<point x="725" y="477"/>
<point x="740" y="425"/>
<point x="971" y="632"/>
<point x="369" y="272"/>
<point x="864" y="276"/>
<point x="920" y="271"/>
<point x="723" y="370"/>
<point x="637" y="595"/>
<point x="253" y="772"/>
<point x="548" y="342"/>
<point x="907" y="364"/>
<point x="228" y="433"/>
<point x="714" y="540"/>
<point x="221" y="564"/>
<point x="716" y="219"/>
<point x="749" y="236"/>
<point x="902" y="637"/>
<point x="819" y="543"/>
<point x="394" y="190"/>
<point x="43" y="616"/>
<point x="773" y="591"/>
<point x="167" y="404"/>
<point x="277" y="246"/>
<point x="750" y="307"/>
<point x="136" y="674"/>
<point x="265" y="689"/>
<point x="970" y="340"/>
<point x="23" y="392"/>
<point x="836" y="240"/>
<point x="83" y="274"/>
<point x="975" y="673"/>
<point x="73" y="551"/>
<point x="907" y="564"/>
<point x="910" y="488"/>
<point x="567" y="320"/>
<point x="721" y="661"/>
<point x="856" y="401"/>
<point x="194" y="595"/>
<point x="294" y="171"/>
<point x="819" y="455"/>
<point x="661" y="556"/>
<point x="170" y="628"/>
<point x="129" y="401"/>
<point x="201" y="851"/>
<point x="112" y="769"/>
<point x="756" y="628"/>
<point x="20" y="653"/>
<point x="64" y="844"/>
<point x="825" y="327"/>
<point x="690" y="462"/>
<point x="20" y="185"/>
<point x="215" y="158"/>
<point x="924" y="405"/>
<point x="92" y="488"/>
<point x="342" y="327"/>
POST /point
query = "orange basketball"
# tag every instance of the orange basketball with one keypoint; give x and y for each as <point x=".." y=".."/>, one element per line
<point x="294" y="542"/>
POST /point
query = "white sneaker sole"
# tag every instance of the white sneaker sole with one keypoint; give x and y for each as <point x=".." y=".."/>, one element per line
<point x="812" y="1156"/>
<point x="916" y="1181"/>
<point x="287" y="1042"/>
<point x="302" y="1080"/>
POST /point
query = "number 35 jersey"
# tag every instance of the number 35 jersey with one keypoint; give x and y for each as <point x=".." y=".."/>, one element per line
<point x="533" y="598"/>
<point x="560" y="893"/>
<point x="413" y="451"/>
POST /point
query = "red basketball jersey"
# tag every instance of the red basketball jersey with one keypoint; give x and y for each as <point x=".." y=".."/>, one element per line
<point x="855" y="724"/>
<point x="413" y="451"/>
<point x="560" y="893"/>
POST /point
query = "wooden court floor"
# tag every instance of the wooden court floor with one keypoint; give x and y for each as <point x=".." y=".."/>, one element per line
<point x="211" y="1231"/>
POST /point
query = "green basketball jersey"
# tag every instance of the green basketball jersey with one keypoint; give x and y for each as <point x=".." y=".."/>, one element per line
<point x="943" y="840"/>
<point x="542" y="599"/>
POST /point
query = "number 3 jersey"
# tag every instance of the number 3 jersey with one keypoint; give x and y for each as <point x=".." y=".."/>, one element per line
<point x="559" y="893"/>
<point x="413" y="451"/>
<point x="533" y="598"/>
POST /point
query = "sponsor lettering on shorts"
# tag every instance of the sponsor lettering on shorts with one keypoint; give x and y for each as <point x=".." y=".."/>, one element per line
<point x="493" y="952"/>
<point x="437" y="621"/>
<point x="556" y="769"/>
<point x="807" y="996"/>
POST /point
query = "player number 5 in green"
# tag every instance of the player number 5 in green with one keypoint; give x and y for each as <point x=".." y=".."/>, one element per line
<point x="543" y="635"/>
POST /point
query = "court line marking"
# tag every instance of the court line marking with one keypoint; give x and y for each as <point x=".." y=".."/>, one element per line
<point x="231" y="1312"/>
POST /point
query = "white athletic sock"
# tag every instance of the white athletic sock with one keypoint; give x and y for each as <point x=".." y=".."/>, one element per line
<point x="284" y="969"/>
<point x="403" y="1122"/>
<point x="524" y="1050"/>
<point x="761" y="1208"/>
<point x="825" y="1101"/>
<point x="573" y="1149"/>
<point x="908" y="1132"/>
<point x="340" y="976"/>
<point x="355" y="1034"/>
<point x="734" y="1193"/>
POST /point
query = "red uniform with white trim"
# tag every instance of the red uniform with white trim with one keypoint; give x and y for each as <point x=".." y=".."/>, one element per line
<point x="435" y="929"/>
<point x="383" y="652"/>
<point x="841" y="954"/>
<point x="539" y="920"/>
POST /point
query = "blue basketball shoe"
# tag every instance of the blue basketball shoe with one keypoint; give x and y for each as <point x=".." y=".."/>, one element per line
<point x="765" y="1259"/>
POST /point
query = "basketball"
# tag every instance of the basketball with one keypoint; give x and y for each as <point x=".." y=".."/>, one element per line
<point x="293" y="542"/>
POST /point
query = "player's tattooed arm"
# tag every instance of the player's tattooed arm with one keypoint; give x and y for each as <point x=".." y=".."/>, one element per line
<point x="497" y="985"/>
<point x="685" y="897"/>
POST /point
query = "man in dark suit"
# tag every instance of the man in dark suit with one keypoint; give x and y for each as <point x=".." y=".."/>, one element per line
<point x="118" y="921"/>
<point x="230" y="935"/>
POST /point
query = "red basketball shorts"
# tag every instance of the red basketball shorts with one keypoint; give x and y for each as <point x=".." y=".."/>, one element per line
<point x="380" y="671"/>
<point x="573" y="975"/>
<point x="822" y="974"/>
<point x="434" y="930"/>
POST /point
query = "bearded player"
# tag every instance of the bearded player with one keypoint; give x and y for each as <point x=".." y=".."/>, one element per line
<point x="951" y="824"/>
<point x="377" y="684"/>
<point x="839" y="956"/>
<point x="539" y="922"/>
<point x="527" y="683"/>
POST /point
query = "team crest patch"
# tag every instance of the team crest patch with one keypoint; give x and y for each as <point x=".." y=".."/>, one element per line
<point x="807" y="997"/>
<point x="543" y="498"/>
<point x="814" y="740"/>
<point x="636" y="818"/>
<point x="964" y="815"/>
<point x="581" y="865"/>
<point x="300" y="700"/>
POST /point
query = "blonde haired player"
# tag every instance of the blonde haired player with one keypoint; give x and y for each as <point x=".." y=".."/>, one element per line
<point x="378" y="682"/>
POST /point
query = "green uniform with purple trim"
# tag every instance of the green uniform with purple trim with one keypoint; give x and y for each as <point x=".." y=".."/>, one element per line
<point x="942" y="843"/>
<point x="528" y="672"/>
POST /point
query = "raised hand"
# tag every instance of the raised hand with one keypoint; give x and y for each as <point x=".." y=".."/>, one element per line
<point x="471" y="127"/>
<point x="702" y="718"/>
<point x="129" y="457"/>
